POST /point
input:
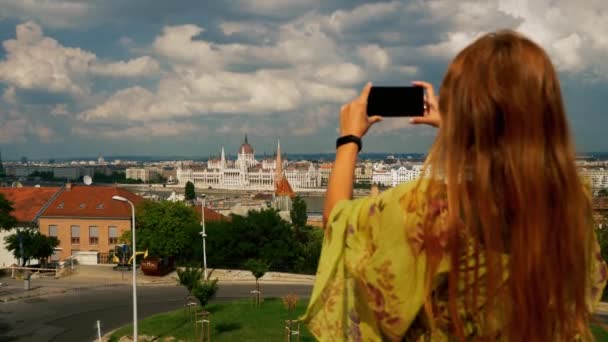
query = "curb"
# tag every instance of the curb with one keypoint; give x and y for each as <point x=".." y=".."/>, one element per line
<point x="33" y="295"/>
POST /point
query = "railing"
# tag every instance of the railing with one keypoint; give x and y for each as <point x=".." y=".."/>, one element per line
<point x="18" y="268"/>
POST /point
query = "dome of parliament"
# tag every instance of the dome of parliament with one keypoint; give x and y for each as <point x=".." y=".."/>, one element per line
<point x="245" y="147"/>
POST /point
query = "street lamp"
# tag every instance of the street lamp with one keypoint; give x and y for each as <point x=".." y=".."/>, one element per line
<point x="122" y="199"/>
<point x="204" y="235"/>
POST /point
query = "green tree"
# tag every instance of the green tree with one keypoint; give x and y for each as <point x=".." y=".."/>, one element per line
<point x="204" y="291"/>
<point x="166" y="228"/>
<point x="7" y="220"/>
<point x="258" y="268"/>
<point x="298" y="214"/>
<point x="35" y="245"/>
<point x="259" y="235"/>
<point x="189" y="191"/>
<point x="189" y="277"/>
<point x="602" y="193"/>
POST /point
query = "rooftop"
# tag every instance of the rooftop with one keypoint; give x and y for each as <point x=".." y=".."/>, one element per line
<point x="211" y="215"/>
<point x="283" y="188"/>
<point x="92" y="201"/>
<point x="28" y="201"/>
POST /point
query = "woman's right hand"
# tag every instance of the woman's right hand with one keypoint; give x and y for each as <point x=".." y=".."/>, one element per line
<point x="431" y="113"/>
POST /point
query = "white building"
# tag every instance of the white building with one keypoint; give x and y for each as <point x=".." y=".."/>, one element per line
<point x="395" y="174"/>
<point x="597" y="176"/>
<point x="247" y="173"/>
<point x="138" y="173"/>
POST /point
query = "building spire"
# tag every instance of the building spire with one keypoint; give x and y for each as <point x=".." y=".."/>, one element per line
<point x="246" y="142"/>
<point x="279" y="164"/>
<point x="1" y="165"/>
<point x="223" y="159"/>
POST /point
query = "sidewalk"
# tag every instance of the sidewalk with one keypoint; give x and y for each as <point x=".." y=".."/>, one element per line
<point x="106" y="273"/>
<point x="11" y="292"/>
<point x="100" y="276"/>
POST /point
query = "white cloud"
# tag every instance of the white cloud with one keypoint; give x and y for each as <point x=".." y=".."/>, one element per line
<point x="200" y="93"/>
<point x="300" y="60"/>
<point x="13" y="131"/>
<point x="573" y="34"/>
<point x="44" y="134"/>
<point x="60" y="110"/>
<point x="143" y="131"/>
<point x="275" y="8"/>
<point x="374" y="56"/>
<point x="10" y="95"/>
<point x="142" y="66"/>
<point x="56" y="13"/>
<point x="34" y="61"/>
<point x="250" y="29"/>
<point x="345" y="20"/>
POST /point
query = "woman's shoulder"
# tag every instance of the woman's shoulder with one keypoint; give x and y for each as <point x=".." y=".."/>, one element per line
<point x="417" y="188"/>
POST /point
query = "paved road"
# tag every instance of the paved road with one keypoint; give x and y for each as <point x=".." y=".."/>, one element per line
<point x="72" y="316"/>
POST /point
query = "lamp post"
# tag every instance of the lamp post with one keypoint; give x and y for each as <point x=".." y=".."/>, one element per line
<point x="204" y="235"/>
<point x="134" y="268"/>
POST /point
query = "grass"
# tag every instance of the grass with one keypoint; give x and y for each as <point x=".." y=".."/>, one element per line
<point x="601" y="335"/>
<point x="240" y="321"/>
<point x="230" y="321"/>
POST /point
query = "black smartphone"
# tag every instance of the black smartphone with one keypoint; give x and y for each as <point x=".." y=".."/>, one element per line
<point x="396" y="101"/>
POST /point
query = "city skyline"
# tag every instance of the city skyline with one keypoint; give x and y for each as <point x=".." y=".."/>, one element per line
<point x="111" y="78"/>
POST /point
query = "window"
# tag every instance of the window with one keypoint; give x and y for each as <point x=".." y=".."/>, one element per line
<point x="93" y="235"/>
<point x="112" y="235"/>
<point x="56" y="255"/>
<point x="53" y="230"/>
<point x="75" y="231"/>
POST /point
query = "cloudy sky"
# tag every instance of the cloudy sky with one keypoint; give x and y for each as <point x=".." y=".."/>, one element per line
<point x="115" y="77"/>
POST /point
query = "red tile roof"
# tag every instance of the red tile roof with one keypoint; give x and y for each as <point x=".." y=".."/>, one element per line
<point x="283" y="188"/>
<point x="600" y="203"/>
<point x="92" y="201"/>
<point x="28" y="202"/>
<point x="210" y="215"/>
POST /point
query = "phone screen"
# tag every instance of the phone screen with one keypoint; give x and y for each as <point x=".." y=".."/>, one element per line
<point x="396" y="101"/>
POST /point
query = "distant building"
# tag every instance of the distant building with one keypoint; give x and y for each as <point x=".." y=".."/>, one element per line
<point x="600" y="212"/>
<point x="68" y="173"/>
<point x="283" y="193"/>
<point x="247" y="173"/>
<point x="87" y="219"/>
<point x="597" y="176"/>
<point x="138" y="174"/>
<point x="28" y="204"/>
<point x="395" y="174"/>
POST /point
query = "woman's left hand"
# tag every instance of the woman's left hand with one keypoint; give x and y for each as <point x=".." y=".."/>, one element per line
<point x="353" y="116"/>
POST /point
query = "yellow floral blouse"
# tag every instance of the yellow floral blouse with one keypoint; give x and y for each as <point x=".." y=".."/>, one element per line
<point x="370" y="280"/>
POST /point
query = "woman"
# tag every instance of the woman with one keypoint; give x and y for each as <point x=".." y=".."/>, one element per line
<point x="495" y="242"/>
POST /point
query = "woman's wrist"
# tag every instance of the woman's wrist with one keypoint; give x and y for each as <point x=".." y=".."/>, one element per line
<point x="349" y="140"/>
<point x="348" y="148"/>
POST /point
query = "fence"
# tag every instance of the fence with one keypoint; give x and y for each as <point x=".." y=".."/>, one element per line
<point x="52" y="271"/>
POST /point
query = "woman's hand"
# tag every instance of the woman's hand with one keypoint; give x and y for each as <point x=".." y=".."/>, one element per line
<point x="353" y="116"/>
<point x="431" y="114"/>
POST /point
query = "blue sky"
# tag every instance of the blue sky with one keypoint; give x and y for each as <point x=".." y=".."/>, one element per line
<point x="114" y="77"/>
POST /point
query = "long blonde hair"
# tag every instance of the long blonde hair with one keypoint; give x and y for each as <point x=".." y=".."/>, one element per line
<point x="505" y="148"/>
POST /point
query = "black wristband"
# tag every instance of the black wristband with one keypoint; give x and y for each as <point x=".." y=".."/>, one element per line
<point x="349" y="139"/>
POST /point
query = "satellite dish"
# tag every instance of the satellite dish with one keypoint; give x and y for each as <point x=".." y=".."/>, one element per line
<point x="87" y="180"/>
